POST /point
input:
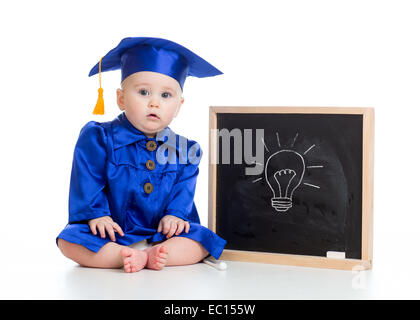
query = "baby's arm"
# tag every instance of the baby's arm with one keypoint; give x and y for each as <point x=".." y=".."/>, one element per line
<point x="87" y="197"/>
<point x="181" y="200"/>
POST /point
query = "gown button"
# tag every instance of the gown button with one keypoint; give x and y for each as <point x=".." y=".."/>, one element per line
<point x="150" y="164"/>
<point x="148" y="187"/>
<point x="151" y="145"/>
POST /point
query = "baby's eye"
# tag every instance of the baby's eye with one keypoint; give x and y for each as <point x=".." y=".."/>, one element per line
<point x="144" y="92"/>
<point x="166" y="95"/>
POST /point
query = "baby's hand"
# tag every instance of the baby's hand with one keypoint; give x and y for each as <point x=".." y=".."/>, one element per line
<point x="105" y="223"/>
<point x="171" y="225"/>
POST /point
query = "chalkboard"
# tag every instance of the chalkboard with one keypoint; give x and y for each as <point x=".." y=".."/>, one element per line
<point x="289" y="182"/>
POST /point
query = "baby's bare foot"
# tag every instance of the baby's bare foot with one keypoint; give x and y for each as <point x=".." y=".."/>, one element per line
<point x="157" y="257"/>
<point x="134" y="260"/>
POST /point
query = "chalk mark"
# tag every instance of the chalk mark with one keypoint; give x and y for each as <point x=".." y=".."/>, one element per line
<point x="278" y="140"/>
<point x="294" y="140"/>
<point x="309" y="149"/>
<point x="311" y="185"/>
<point x="265" y="145"/>
<point x="256" y="180"/>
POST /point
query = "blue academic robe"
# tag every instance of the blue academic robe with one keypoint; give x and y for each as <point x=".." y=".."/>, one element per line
<point x="108" y="178"/>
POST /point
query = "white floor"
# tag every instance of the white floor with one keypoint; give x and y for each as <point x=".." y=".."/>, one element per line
<point x="59" y="278"/>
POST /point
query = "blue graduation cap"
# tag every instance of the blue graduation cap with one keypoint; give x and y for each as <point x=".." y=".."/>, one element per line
<point x="151" y="54"/>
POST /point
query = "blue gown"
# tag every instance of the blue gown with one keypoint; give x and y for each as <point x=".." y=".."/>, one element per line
<point x="111" y="176"/>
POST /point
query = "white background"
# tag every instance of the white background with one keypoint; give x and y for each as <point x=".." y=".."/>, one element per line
<point x="273" y="53"/>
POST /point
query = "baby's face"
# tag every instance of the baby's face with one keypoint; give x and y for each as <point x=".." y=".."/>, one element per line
<point x="151" y="100"/>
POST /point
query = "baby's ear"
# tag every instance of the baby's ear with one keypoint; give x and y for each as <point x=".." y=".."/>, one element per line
<point x="179" y="107"/>
<point x="120" y="99"/>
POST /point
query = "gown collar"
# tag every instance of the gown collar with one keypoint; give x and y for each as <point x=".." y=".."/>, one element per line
<point x="124" y="133"/>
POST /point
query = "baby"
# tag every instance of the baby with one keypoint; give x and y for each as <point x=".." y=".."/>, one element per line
<point x="129" y="183"/>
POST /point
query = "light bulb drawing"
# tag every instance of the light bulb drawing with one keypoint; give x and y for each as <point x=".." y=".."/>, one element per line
<point x="284" y="172"/>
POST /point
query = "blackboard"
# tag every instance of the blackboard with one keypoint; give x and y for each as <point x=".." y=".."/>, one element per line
<point x="304" y="197"/>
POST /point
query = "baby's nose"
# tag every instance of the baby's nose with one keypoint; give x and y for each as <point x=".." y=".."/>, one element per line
<point x="154" y="102"/>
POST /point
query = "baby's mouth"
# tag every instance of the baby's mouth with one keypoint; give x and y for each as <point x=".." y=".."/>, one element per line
<point x="152" y="116"/>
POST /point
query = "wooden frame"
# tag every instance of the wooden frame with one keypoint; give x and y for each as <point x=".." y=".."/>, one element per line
<point x="367" y="186"/>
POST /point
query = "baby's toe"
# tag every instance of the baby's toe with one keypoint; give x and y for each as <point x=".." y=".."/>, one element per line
<point x="162" y="256"/>
<point x="127" y="260"/>
<point x="126" y="252"/>
<point x="163" y="250"/>
<point x="161" y="260"/>
<point x="127" y="267"/>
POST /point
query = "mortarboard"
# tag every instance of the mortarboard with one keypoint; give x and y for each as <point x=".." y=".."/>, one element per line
<point x="151" y="54"/>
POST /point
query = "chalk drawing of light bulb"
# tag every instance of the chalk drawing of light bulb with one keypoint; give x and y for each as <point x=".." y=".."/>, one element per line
<point x="284" y="171"/>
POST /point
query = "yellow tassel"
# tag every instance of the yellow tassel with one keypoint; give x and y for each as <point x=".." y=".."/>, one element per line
<point x="100" y="106"/>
